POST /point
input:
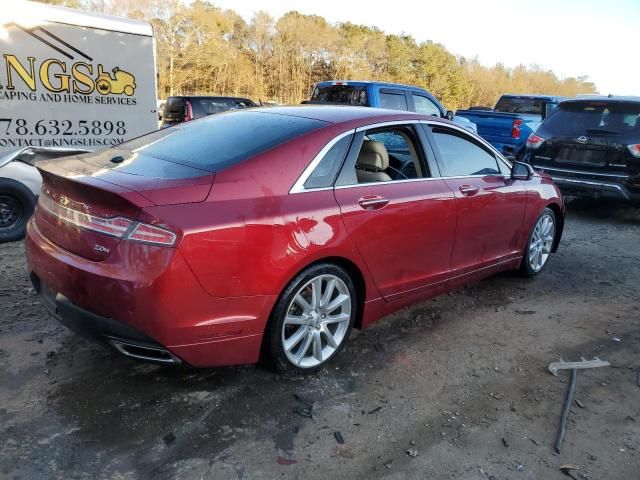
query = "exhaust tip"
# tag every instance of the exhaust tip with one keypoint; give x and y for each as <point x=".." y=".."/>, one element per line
<point x="145" y="353"/>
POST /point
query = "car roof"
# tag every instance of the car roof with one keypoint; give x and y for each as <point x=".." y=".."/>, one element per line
<point x="371" y="82"/>
<point x="533" y="96"/>
<point x="217" y="97"/>
<point x="604" y="98"/>
<point x="341" y="114"/>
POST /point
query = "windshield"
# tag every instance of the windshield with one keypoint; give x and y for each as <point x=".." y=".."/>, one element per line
<point x="347" y="94"/>
<point x="220" y="141"/>
<point x="608" y="118"/>
<point x="520" y="105"/>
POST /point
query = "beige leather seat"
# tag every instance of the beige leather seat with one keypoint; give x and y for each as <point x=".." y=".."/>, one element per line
<point x="372" y="160"/>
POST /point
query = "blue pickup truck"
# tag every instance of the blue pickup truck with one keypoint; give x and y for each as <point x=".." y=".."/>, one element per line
<point x="393" y="96"/>
<point x="508" y="125"/>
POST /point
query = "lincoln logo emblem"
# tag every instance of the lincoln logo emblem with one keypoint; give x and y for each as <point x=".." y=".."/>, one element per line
<point x="583" y="139"/>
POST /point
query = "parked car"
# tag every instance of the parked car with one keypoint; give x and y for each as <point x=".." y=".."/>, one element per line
<point x="186" y="108"/>
<point x="393" y="96"/>
<point x="272" y="232"/>
<point x="65" y="89"/>
<point x="512" y="120"/>
<point x="591" y="147"/>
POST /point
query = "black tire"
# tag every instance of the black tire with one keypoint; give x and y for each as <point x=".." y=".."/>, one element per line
<point x="275" y="356"/>
<point x="525" y="267"/>
<point x="17" y="204"/>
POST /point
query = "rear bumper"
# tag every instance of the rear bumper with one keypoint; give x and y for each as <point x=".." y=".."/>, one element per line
<point x="580" y="187"/>
<point x="148" y="298"/>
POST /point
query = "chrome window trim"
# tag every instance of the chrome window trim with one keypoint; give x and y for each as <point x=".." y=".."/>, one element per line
<point x="411" y="180"/>
<point x="298" y="187"/>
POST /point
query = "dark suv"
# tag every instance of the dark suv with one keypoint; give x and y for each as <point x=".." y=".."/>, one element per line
<point x="591" y="147"/>
<point x="182" y="109"/>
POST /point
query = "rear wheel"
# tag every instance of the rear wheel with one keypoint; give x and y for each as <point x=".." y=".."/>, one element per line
<point x="540" y="243"/>
<point x="312" y="319"/>
<point x="16" y="206"/>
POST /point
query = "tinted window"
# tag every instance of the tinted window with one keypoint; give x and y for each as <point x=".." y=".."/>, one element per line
<point x="174" y="105"/>
<point x="425" y="106"/>
<point x="219" y="141"/>
<point x="393" y="101"/>
<point x="607" y="118"/>
<point x="462" y="157"/>
<point x="325" y="173"/>
<point x="347" y="94"/>
<point x="520" y="105"/>
<point x="208" y="106"/>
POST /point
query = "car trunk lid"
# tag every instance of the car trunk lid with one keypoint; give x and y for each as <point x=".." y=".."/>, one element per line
<point x="89" y="201"/>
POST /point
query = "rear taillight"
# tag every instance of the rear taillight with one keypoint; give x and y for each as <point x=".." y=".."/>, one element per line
<point x="188" y="112"/>
<point x="146" y="233"/>
<point x="118" y="227"/>
<point x="515" y="130"/>
<point x="635" y="150"/>
<point x="534" y="141"/>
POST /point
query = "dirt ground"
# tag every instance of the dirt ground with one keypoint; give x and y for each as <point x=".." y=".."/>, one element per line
<point x="455" y="387"/>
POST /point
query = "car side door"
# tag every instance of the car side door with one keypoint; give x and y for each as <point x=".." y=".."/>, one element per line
<point x="490" y="206"/>
<point x="397" y="210"/>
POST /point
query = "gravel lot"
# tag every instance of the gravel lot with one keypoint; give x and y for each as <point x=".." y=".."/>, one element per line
<point x="455" y="387"/>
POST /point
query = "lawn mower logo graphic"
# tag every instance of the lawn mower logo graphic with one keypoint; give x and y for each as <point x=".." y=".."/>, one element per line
<point x="120" y="82"/>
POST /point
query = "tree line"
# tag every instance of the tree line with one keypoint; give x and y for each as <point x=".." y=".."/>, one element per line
<point x="202" y="49"/>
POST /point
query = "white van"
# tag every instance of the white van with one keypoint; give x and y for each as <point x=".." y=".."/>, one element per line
<point x="70" y="81"/>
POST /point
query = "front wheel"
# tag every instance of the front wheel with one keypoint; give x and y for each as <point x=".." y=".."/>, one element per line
<point x="312" y="319"/>
<point x="540" y="244"/>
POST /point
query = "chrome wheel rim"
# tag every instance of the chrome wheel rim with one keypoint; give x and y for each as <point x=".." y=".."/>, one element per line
<point x="541" y="242"/>
<point x="317" y="321"/>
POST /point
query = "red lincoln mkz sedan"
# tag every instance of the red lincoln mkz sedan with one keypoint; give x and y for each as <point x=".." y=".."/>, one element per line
<point x="273" y="232"/>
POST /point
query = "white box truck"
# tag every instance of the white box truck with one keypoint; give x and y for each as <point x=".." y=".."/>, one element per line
<point x="70" y="82"/>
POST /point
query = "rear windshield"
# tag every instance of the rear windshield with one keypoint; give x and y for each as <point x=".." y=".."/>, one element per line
<point x="346" y="94"/>
<point x="220" y="141"/>
<point x="520" y="105"/>
<point x="608" y="118"/>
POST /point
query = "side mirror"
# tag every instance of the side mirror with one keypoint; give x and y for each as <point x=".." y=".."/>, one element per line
<point x="521" y="171"/>
<point x="449" y="115"/>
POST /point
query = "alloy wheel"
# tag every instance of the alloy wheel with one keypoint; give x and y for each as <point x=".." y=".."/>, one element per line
<point x="541" y="242"/>
<point x="317" y="321"/>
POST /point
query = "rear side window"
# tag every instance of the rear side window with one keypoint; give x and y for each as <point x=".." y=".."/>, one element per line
<point x="220" y="141"/>
<point x="393" y="101"/>
<point x="520" y="105"/>
<point x="607" y="118"/>
<point x="462" y="157"/>
<point x="327" y="170"/>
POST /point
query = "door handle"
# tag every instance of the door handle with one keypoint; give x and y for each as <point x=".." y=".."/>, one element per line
<point x="468" y="190"/>
<point x="373" y="202"/>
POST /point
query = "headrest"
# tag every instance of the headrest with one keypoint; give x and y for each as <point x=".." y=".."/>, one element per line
<point x="373" y="156"/>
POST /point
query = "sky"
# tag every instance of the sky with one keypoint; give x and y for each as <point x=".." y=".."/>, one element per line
<point x="597" y="38"/>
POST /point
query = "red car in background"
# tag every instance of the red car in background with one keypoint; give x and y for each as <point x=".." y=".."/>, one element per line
<point x="272" y="232"/>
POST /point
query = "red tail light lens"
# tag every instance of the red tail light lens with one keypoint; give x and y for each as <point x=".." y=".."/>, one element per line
<point x="515" y="130"/>
<point x="188" y="112"/>
<point x="534" y="141"/>
<point x="146" y="233"/>
<point x="635" y="150"/>
<point x="114" y="227"/>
